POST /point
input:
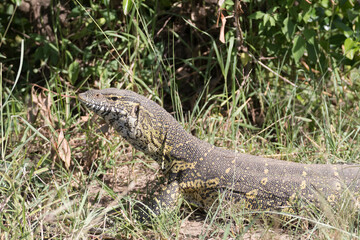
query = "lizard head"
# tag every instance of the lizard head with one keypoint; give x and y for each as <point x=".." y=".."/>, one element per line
<point x="112" y="104"/>
<point x="135" y="117"/>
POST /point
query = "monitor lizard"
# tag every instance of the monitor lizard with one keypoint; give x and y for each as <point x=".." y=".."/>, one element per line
<point x="199" y="171"/>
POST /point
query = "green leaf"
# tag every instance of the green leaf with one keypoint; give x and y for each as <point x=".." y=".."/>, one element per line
<point x="127" y="5"/>
<point x="257" y="15"/>
<point x="348" y="44"/>
<point x="350" y="54"/>
<point x="309" y="15"/>
<point x="73" y="71"/>
<point x="244" y="58"/>
<point x="17" y="2"/>
<point x="350" y="48"/>
<point x="343" y="27"/>
<point x="312" y="52"/>
<point x="266" y="18"/>
<point x="272" y="21"/>
<point x="288" y="28"/>
<point x="309" y="35"/>
<point x="298" y="48"/>
<point x="303" y="119"/>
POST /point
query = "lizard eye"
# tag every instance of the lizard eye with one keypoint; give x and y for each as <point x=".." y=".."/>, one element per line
<point x="114" y="98"/>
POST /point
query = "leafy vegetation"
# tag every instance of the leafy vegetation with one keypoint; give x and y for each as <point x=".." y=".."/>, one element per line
<point x="274" y="78"/>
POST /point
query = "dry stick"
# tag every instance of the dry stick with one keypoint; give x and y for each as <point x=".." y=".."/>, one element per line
<point x="239" y="36"/>
<point x="266" y="67"/>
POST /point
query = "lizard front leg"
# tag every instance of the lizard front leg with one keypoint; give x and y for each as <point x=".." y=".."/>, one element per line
<point x="166" y="200"/>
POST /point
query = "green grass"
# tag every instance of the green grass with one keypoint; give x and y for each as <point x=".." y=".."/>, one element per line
<point x="316" y="122"/>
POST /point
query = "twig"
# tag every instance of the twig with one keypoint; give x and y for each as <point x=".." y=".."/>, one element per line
<point x="269" y="69"/>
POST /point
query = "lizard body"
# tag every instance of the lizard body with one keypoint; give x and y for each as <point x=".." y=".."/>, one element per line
<point x="200" y="171"/>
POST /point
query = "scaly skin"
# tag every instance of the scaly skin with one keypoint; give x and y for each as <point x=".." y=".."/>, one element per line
<point x="200" y="171"/>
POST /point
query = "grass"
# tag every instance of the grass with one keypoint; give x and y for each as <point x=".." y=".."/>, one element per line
<point x="62" y="172"/>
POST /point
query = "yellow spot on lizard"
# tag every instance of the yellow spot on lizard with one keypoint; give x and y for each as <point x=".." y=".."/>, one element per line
<point x="264" y="181"/>
<point x="331" y="198"/>
<point x="303" y="185"/>
<point x="252" y="194"/>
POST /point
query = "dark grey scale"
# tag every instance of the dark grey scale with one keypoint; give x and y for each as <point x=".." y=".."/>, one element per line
<point x="112" y="120"/>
